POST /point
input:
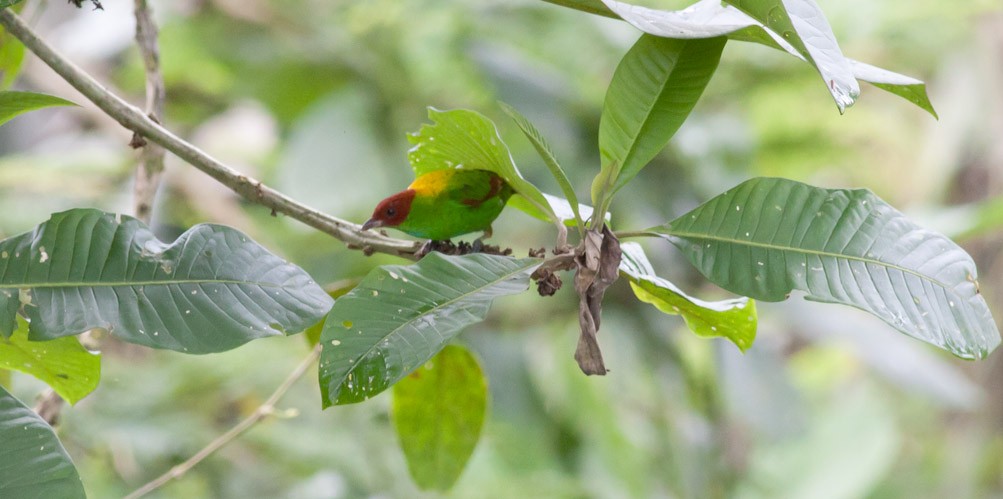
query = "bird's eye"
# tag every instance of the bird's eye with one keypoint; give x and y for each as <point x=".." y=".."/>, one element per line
<point x="391" y="212"/>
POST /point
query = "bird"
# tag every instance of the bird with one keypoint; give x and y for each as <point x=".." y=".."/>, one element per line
<point x="443" y="204"/>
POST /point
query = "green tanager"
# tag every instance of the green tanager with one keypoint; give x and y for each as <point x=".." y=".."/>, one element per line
<point x="443" y="204"/>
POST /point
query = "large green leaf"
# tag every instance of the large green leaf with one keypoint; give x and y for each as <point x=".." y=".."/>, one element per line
<point x="62" y="363"/>
<point x="653" y="90"/>
<point x="14" y="103"/>
<point x="711" y="18"/>
<point x="767" y="237"/>
<point x="438" y="411"/>
<point x="398" y="317"/>
<point x="733" y="319"/>
<point x="211" y="290"/>
<point x="461" y="138"/>
<point x="32" y="461"/>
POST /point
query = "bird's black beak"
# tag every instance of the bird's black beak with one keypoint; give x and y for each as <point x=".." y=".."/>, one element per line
<point x="372" y="222"/>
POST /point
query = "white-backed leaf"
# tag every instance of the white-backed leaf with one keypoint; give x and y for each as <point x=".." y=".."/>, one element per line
<point x="710" y="18"/>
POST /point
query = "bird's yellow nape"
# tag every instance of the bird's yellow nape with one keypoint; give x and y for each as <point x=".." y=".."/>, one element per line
<point x="433" y="182"/>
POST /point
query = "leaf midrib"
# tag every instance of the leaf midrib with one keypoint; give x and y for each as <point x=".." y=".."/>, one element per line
<point x="116" y="284"/>
<point x="756" y="244"/>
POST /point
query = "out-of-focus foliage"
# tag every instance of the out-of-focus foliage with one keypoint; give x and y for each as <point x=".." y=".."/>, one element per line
<point x="438" y="411"/>
<point x="315" y="98"/>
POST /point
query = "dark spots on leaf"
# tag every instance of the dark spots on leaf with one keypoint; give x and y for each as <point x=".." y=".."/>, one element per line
<point x="62" y="376"/>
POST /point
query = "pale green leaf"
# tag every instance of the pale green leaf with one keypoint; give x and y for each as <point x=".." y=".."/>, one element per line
<point x="62" y="363"/>
<point x="14" y="103"/>
<point x="733" y="319"/>
<point x="438" y="411"/>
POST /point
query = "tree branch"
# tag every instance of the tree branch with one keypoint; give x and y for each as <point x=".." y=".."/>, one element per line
<point x="151" y="159"/>
<point x="265" y="409"/>
<point x="132" y="118"/>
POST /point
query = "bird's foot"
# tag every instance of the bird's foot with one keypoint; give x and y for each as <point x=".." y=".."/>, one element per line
<point x="446" y="247"/>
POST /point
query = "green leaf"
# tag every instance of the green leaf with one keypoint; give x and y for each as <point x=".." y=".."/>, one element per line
<point x="804" y="26"/>
<point x="14" y="103"/>
<point x="32" y="461"/>
<point x="540" y="144"/>
<point x="63" y="363"/>
<point x="11" y="58"/>
<point x="211" y="290"/>
<point x="438" y="411"/>
<point x="910" y="89"/>
<point x="733" y="319"/>
<point x="462" y="138"/>
<point x="767" y="237"/>
<point x="653" y="90"/>
<point x="398" y="317"/>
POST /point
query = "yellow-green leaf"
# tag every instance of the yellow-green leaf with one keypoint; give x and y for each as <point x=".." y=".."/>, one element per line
<point x="62" y="363"/>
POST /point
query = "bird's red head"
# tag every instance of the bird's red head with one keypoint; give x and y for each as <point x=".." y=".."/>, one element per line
<point x="391" y="211"/>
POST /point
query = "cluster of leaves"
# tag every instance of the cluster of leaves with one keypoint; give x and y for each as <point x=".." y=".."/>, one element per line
<point x="214" y="289"/>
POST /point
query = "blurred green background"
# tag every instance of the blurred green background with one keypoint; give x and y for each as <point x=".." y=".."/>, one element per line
<point x="315" y="98"/>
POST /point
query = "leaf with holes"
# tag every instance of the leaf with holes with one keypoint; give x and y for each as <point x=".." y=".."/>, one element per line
<point x="461" y="138"/>
<point x="32" y="461"/>
<point x="62" y="363"/>
<point x="399" y="316"/>
<point x="733" y="319"/>
<point x="769" y="236"/>
<point x="211" y="290"/>
<point x="438" y="411"/>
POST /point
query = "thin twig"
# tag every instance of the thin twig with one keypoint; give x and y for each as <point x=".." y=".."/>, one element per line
<point x="264" y="410"/>
<point x="624" y="234"/>
<point x="137" y="121"/>
<point x="151" y="159"/>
